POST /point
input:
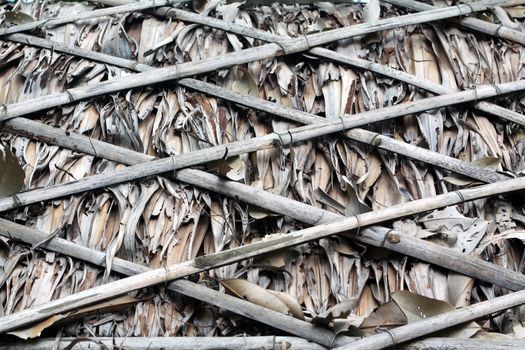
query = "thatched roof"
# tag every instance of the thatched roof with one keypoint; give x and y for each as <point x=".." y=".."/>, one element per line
<point x="88" y="104"/>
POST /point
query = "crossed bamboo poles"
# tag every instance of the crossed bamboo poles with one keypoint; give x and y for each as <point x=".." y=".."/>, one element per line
<point x="512" y="180"/>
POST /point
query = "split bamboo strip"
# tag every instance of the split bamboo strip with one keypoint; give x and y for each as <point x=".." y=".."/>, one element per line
<point x="272" y="140"/>
<point x="375" y="236"/>
<point x="284" y="47"/>
<point x="165" y="343"/>
<point x="331" y="55"/>
<point x="270" y="244"/>
<point x="53" y="22"/>
<point x="360" y="135"/>
<point x="476" y="24"/>
<point x="242" y="307"/>
<point x="436" y="323"/>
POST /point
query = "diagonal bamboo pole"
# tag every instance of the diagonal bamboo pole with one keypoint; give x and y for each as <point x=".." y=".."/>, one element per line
<point x="361" y="135"/>
<point x="284" y="47"/>
<point x="436" y="323"/>
<point x="476" y="24"/>
<point x="264" y="142"/>
<point x="270" y="244"/>
<point x="53" y="22"/>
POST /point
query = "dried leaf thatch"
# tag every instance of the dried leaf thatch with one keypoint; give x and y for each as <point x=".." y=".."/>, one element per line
<point x="158" y="221"/>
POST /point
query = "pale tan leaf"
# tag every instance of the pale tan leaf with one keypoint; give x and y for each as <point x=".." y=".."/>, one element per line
<point x="255" y="294"/>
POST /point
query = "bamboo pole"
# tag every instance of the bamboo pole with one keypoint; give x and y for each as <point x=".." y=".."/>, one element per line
<point x="464" y="344"/>
<point x="269" y="244"/>
<point x="53" y="22"/>
<point x="272" y="140"/>
<point x="284" y="47"/>
<point x="242" y="307"/>
<point x="476" y="24"/>
<point x="410" y="246"/>
<point x="436" y="323"/>
<point x="165" y="343"/>
<point x="243" y="343"/>
<point x="360" y="135"/>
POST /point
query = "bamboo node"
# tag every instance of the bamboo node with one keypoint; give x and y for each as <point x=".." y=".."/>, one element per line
<point x="393" y="237"/>
<point x="332" y="343"/>
<point x="70" y="96"/>
<point x="386" y="330"/>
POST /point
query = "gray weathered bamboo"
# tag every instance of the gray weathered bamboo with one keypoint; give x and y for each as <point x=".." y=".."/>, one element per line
<point x="436" y="323"/>
<point x="242" y="307"/>
<point x="284" y="47"/>
<point x="476" y="24"/>
<point x="165" y="343"/>
<point x="272" y="140"/>
<point x="463" y="344"/>
<point x="269" y="244"/>
<point x="360" y="135"/>
<point x="245" y="343"/>
<point x="53" y="22"/>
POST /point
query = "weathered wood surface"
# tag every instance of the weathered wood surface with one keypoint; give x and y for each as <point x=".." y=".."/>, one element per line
<point x="272" y="243"/>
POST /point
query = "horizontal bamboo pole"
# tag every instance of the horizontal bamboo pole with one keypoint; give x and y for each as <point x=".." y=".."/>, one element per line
<point x="436" y="323"/>
<point x="360" y="135"/>
<point x="53" y="22"/>
<point x="463" y="344"/>
<point x="165" y="343"/>
<point x="242" y="307"/>
<point x="244" y="343"/>
<point x="288" y="46"/>
<point x="410" y="246"/>
<point x="476" y="24"/>
<point x="272" y="140"/>
<point x="270" y="244"/>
